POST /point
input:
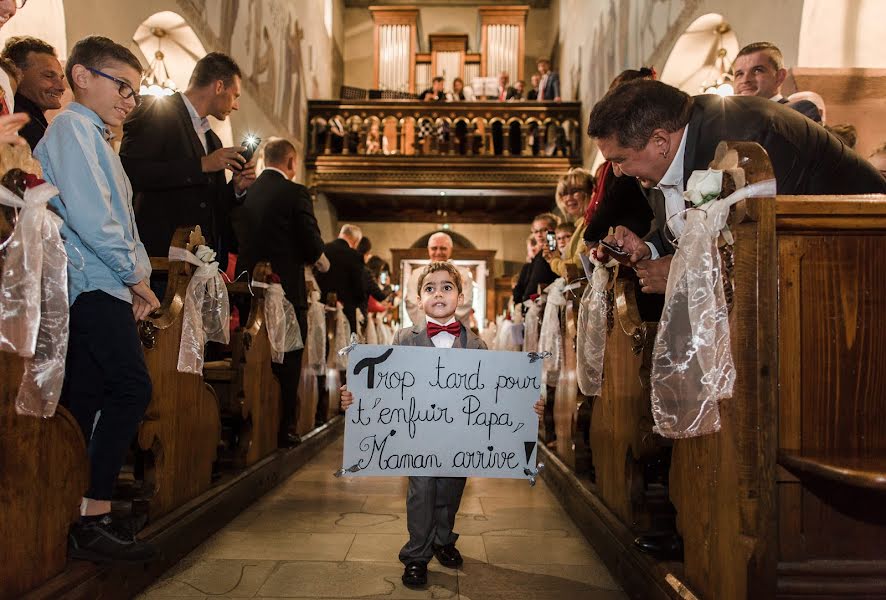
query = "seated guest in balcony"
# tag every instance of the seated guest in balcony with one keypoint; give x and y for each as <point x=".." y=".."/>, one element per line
<point x="435" y="92"/>
<point x="177" y="163"/>
<point x="459" y="92"/>
<point x="540" y="273"/>
<point x="276" y="223"/>
<point x="505" y="91"/>
<point x="578" y="188"/>
<point x="534" y="80"/>
<point x="519" y="89"/>
<point x="376" y="143"/>
<point x="344" y="277"/>
<point x="759" y="71"/>
<point x="41" y="84"/>
<point x="658" y="134"/>
<point x="549" y="84"/>
<point x="107" y="284"/>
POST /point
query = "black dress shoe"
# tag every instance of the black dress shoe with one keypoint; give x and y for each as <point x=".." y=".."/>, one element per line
<point x="415" y="575"/>
<point x="290" y="440"/>
<point x="106" y="541"/>
<point x="663" y="546"/>
<point x="448" y="555"/>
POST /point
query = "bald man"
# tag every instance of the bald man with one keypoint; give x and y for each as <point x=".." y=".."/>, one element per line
<point x="439" y="249"/>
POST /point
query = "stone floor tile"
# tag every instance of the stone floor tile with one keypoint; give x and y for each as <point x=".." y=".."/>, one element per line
<point x="211" y="577"/>
<point x="278" y="545"/>
<point x="277" y="519"/>
<point x="386" y="547"/>
<point x="324" y="580"/>
<point x="539" y="550"/>
<point x="497" y="582"/>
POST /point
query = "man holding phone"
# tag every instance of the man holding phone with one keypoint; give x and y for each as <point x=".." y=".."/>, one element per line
<point x="177" y="163"/>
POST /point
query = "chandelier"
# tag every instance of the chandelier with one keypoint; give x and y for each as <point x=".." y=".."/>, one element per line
<point x="721" y="84"/>
<point x="156" y="81"/>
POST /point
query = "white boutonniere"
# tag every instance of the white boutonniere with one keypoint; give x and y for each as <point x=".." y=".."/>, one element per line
<point x="205" y="254"/>
<point x="703" y="187"/>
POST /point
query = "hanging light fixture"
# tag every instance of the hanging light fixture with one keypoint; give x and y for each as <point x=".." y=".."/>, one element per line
<point x="156" y="81"/>
<point x="722" y="83"/>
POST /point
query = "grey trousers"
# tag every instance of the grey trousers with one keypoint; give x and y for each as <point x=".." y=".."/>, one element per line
<point x="431" y="505"/>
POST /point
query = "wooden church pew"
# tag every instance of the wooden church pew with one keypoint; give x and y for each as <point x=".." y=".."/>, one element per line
<point x="244" y="383"/>
<point x="331" y="396"/>
<point x="181" y="429"/>
<point x="43" y="475"/>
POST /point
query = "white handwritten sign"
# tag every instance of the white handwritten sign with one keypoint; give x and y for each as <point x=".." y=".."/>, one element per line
<point x="441" y="412"/>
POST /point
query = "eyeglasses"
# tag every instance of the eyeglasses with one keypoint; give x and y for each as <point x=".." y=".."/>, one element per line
<point x="125" y="90"/>
<point x="542" y="230"/>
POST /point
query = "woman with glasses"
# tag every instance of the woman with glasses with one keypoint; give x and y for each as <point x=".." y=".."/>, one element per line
<point x="572" y="200"/>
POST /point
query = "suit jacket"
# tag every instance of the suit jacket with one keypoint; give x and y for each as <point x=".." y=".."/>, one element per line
<point x="162" y="157"/>
<point x="277" y="223"/>
<point x="532" y="95"/>
<point x="552" y="86"/>
<point x="35" y="128"/>
<point x="417" y="335"/>
<point x="344" y="278"/>
<point x="806" y="159"/>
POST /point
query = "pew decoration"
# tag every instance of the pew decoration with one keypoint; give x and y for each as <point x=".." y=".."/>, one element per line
<point x="315" y="341"/>
<point x="342" y="339"/>
<point x="530" y="327"/>
<point x="593" y="326"/>
<point x="692" y="366"/>
<point x="509" y="336"/>
<point x="550" y="338"/>
<point x="206" y="312"/>
<point x="371" y="330"/>
<point x="284" y="333"/>
<point x="34" y="297"/>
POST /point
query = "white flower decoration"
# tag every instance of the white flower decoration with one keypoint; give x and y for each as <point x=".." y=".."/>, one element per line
<point x="205" y="254"/>
<point x="703" y="186"/>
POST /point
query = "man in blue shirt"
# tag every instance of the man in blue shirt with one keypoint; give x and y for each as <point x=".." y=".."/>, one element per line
<point x="108" y="271"/>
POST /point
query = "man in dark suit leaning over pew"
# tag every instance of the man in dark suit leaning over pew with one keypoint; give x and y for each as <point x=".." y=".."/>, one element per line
<point x="276" y="223"/>
<point x="658" y="134"/>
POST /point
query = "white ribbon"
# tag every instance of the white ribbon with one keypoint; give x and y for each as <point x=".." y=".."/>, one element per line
<point x="284" y="332"/>
<point x="692" y="366"/>
<point x="550" y="337"/>
<point x="592" y="328"/>
<point x="34" y="308"/>
<point x="315" y="341"/>
<point x="206" y="312"/>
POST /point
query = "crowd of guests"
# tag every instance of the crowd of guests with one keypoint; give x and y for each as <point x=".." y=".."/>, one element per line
<point x="544" y="87"/>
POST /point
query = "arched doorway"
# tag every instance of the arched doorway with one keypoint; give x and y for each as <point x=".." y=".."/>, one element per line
<point x="169" y="33"/>
<point x="701" y="54"/>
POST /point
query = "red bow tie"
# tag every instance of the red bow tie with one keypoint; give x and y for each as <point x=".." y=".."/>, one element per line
<point x="453" y="328"/>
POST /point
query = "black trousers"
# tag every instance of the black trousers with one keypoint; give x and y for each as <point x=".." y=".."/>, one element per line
<point x="105" y="371"/>
<point x="289" y="375"/>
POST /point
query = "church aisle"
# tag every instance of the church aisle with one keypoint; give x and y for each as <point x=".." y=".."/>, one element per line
<point x="316" y="536"/>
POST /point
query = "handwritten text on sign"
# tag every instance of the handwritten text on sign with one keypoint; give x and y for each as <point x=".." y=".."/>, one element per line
<point x="441" y="412"/>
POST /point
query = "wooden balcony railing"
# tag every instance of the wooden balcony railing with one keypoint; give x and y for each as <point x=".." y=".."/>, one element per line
<point x="458" y="129"/>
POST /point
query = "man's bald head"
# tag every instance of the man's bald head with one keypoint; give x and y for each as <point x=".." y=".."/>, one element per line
<point x="439" y="247"/>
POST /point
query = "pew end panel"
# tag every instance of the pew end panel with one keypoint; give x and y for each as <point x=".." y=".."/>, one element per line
<point x="181" y="428"/>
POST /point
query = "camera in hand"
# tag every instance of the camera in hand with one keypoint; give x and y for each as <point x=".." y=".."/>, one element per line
<point x="552" y="241"/>
<point x="250" y="142"/>
<point x="615" y="252"/>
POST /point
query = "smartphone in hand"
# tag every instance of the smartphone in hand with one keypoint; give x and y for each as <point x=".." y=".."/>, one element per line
<point x="617" y="253"/>
<point x="552" y="241"/>
<point x="250" y="142"/>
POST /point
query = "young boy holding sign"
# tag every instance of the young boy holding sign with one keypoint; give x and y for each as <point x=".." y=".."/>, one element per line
<point x="432" y="502"/>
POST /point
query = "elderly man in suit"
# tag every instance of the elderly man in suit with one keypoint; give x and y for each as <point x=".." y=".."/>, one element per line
<point x="439" y="250"/>
<point x="276" y="223"/>
<point x="549" y="86"/>
<point x="177" y="163"/>
<point x="345" y="276"/>
<point x="658" y="134"/>
<point x="759" y="70"/>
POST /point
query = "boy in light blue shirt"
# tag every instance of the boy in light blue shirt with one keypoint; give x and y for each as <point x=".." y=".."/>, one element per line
<point x="108" y="273"/>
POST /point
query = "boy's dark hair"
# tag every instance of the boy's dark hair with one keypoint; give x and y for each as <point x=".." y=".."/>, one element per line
<point x="97" y="52"/>
<point x="550" y="218"/>
<point x="440" y="266"/>
<point x="436" y="79"/>
<point x="566" y="227"/>
<point x="213" y="67"/>
<point x="632" y="111"/>
<point x="17" y="49"/>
